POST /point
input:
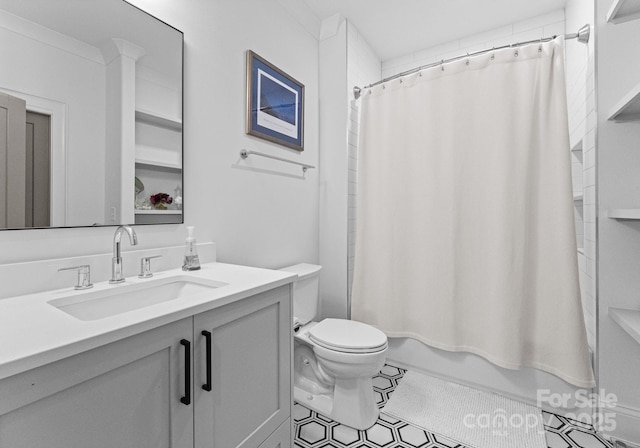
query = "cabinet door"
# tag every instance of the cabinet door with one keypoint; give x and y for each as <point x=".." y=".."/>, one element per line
<point x="281" y="438"/>
<point x="251" y="345"/>
<point x="124" y="394"/>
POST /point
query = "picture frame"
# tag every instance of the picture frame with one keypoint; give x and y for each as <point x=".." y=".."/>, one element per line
<point x="275" y="104"/>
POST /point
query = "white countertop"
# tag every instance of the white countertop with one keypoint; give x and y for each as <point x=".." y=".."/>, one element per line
<point x="34" y="333"/>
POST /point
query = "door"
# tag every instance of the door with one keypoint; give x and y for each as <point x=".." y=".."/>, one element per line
<point x="250" y="371"/>
<point x="38" y="170"/>
<point x="12" y="161"/>
<point x="125" y="394"/>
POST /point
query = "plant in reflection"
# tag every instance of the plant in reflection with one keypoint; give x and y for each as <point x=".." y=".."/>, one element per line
<point x="160" y="200"/>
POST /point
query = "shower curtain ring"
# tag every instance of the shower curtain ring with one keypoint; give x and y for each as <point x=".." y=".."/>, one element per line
<point x="442" y="64"/>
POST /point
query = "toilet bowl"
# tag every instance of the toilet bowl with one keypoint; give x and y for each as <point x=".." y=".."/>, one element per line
<point x="334" y="359"/>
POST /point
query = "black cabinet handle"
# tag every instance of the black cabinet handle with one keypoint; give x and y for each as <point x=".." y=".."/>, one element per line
<point x="207" y="335"/>
<point x="187" y="372"/>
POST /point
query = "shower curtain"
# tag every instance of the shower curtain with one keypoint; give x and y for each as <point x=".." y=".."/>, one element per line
<point x="465" y="224"/>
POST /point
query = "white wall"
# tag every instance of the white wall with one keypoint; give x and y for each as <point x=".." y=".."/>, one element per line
<point x="363" y="68"/>
<point x="534" y="28"/>
<point x="346" y="60"/>
<point x="333" y="173"/>
<point x="618" y="181"/>
<point x="260" y="212"/>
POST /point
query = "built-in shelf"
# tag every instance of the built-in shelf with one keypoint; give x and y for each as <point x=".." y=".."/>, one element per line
<point x="158" y="157"/>
<point x="159" y="120"/>
<point x="578" y="197"/>
<point x="628" y="108"/>
<point x="624" y="213"/>
<point x="581" y="250"/>
<point x="577" y="147"/>
<point x="157" y="163"/>
<point x="629" y="320"/>
<point x="623" y="11"/>
<point x="158" y="212"/>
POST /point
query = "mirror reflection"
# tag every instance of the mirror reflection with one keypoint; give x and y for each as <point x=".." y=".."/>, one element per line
<point x="90" y="115"/>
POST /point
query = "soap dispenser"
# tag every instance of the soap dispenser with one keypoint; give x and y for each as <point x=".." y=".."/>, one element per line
<point x="191" y="260"/>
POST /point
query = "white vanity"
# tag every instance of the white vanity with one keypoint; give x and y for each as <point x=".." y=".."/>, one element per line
<point x="210" y="367"/>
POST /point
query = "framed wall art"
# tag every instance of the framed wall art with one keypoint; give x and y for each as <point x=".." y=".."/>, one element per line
<point x="275" y="104"/>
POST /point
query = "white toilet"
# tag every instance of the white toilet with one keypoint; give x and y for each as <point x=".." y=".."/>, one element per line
<point x="334" y="359"/>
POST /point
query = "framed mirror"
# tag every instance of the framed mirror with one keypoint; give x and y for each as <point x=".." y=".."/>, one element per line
<point x="90" y="115"/>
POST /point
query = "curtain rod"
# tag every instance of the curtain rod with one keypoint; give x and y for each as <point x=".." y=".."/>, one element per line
<point x="582" y="35"/>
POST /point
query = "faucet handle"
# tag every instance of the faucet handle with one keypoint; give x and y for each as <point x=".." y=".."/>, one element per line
<point x="84" y="276"/>
<point x="145" y="266"/>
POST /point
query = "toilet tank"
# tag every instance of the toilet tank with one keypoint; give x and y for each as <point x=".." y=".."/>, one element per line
<point x="305" y="291"/>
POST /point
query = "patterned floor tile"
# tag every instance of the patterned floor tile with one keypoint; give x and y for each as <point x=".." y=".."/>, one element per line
<point x="313" y="430"/>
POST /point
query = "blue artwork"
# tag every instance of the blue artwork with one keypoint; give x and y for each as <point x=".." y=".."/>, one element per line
<point x="275" y="104"/>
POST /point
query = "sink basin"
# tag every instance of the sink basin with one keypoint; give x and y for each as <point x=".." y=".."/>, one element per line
<point x="113" y="300"/>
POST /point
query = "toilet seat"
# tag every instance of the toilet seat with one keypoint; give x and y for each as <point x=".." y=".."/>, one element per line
<point x="348" y="336"/>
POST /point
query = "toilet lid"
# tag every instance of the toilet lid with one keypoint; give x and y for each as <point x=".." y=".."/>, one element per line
<point x="348" y="336"/>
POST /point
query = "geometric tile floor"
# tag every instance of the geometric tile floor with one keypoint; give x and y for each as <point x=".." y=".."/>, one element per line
<point x="313" y="430"/>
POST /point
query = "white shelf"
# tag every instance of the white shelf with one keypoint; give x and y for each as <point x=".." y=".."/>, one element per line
<point x="158" y="157"/>
<point x="624" y="213"/>
<point x="623" y="11"/>
<point x="577" y="147"/>
<point x="156" y="163"/>
<point x="159" y="120"/>
<point x="581" y="250"/>
<point x="579" y="197"/>
<point x="629" y="320"/>
<point x="158" y="212"/>
<point x="628" y="108"/>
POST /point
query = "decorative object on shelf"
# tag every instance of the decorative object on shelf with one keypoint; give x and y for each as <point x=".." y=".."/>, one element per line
<point x="177" y="194"/>
<point x="140" y="203"/>
<point x="145" y="205"/>
<point x="275" y="104"/>
<point x="160" y="200"/>
<point x="139" y="186"/>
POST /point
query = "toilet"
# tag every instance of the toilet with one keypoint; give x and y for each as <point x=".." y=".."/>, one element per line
<point x="334" y="359"/>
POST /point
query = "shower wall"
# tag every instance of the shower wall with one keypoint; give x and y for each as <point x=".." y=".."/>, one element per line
<point x="460" y="367"/>
<point x="580" y="73"/>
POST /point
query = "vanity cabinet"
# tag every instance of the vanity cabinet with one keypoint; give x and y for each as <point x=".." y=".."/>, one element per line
<point x="250" y="372"/>
<point x="147" y="390"/>
<point x="124" y="394"/>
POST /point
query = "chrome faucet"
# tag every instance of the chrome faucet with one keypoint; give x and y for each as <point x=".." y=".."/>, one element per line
<point x="117" y="274"/>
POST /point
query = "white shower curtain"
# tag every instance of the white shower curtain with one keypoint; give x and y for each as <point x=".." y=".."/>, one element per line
<point x="465" y="224"/>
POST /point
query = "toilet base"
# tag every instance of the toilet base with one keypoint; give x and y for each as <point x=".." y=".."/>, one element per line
<point x="354" y="404"/>
<point x="322" y="404"/>
<point x="351" y="404"/>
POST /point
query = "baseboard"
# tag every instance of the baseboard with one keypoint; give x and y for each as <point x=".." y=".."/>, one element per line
<point x="619" y="443"/>
<point x="626" y="428"/>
